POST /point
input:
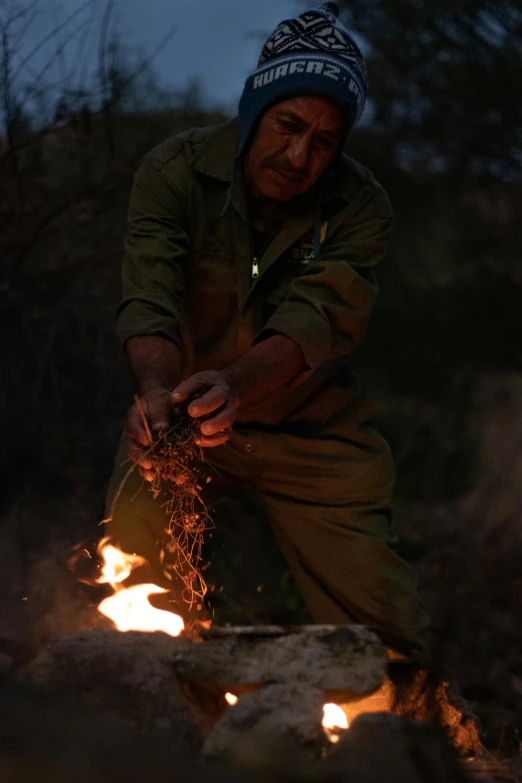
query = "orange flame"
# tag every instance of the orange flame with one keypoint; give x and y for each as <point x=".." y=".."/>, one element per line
<point x="117" y="565"/>
<point x="129" y="607"/>
<point x="334" y="721"/>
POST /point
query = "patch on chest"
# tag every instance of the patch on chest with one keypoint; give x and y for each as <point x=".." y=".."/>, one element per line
<point x="304" y="251"/>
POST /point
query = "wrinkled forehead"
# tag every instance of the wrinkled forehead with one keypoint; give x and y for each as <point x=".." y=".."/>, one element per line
<point x="310" y="110"/>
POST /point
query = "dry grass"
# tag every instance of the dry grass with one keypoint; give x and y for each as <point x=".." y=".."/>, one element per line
<point x="177" y="459"/>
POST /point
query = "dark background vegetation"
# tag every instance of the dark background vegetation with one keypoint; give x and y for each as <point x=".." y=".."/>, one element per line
<point x="442" y="358"/>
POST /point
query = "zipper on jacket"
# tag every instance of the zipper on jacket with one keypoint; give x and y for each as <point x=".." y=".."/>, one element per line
<point x="255" y="260"/>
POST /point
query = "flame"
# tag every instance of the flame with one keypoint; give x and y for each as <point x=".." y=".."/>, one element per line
<point x="129" y="607"/>
<point x="334" y="721"/>
<point x="231" y="698"/>
<point x="117" y="565"/>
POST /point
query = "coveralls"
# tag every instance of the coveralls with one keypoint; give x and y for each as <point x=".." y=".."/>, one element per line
<point x="309" y="450"/>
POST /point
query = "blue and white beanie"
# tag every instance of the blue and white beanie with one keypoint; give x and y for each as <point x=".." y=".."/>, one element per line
<point x="312" y="54"/>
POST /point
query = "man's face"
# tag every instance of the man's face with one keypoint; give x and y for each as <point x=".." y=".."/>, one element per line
<point x="296" y="140"/>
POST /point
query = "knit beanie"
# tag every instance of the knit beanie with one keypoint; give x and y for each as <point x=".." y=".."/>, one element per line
<point x="312" y="54"/>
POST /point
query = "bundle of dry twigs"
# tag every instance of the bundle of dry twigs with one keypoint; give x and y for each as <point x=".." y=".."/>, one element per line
<point x="177" y="460"/>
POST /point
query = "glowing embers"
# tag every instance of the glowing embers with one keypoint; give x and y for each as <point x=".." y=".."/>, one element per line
<point x="129" y="607"/>
<point x="334" y="719"/>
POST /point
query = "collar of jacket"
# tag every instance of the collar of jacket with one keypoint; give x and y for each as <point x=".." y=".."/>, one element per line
<point x="216" y="147"/>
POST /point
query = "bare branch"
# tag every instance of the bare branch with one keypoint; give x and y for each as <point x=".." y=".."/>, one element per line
<point x="94" y="93"/>
<point x="38" y="76"/>
<point x="18" y="39"/>
<point x="74" y="92"/>
<point x="102" y="44"/>
<point x="149" y="60"/>
<point x="13" y="18"/>
<point x="64" y="75"/>
<point x="78" y="58"/>
<point x="48" y="37"/>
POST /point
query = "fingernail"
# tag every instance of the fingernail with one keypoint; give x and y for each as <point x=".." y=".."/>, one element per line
<point x="176" y="396"/>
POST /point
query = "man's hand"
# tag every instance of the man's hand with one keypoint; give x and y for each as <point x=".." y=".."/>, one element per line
<point x="219" y="399"/>
<point x="263" y="369"/>
<point x="157" y="407"/>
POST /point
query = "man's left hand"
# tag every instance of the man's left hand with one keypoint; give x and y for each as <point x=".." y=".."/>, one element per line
<point x="218" y="399"/>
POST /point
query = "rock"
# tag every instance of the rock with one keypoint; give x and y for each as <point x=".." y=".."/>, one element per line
<point x="156" y="680"/>
<point x="126" y="674"/>
<point x="151" y="682"/>
<point x="54" y="739"/>
<point x="385" y="747"/>
<point x="290" y="712"/>
<point x="344" y="661"/>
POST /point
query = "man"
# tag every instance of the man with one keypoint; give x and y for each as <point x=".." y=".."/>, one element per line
<point x="248" y="271"/>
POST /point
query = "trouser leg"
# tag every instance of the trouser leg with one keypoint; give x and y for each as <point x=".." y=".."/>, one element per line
<point x="326" y="488"/>
<point x="138" y="522"/>
<point x="327" y="492"/>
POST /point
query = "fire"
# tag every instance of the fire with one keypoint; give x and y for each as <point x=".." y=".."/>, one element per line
<point x="117" y="565"/>
<point x="334" y="721"/>
<point x="129" y="607"/>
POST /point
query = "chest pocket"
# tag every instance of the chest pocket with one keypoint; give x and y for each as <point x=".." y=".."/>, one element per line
<point x="293" y="263"/>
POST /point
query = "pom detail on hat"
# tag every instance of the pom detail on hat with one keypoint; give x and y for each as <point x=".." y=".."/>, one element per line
<point x="333" y="8"/>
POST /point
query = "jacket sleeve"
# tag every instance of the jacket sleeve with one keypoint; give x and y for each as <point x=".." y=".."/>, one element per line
<point x="156" y="246"/>
<point x="327" y="306"/>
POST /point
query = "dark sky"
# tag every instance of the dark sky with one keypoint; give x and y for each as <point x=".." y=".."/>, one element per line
<point x="213" y="40"/>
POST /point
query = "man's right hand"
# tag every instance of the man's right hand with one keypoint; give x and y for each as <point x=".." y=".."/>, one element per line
<point x="158" y="408"/>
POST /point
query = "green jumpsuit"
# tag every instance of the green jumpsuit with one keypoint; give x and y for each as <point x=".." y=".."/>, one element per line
<point x="323" y="473"/>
